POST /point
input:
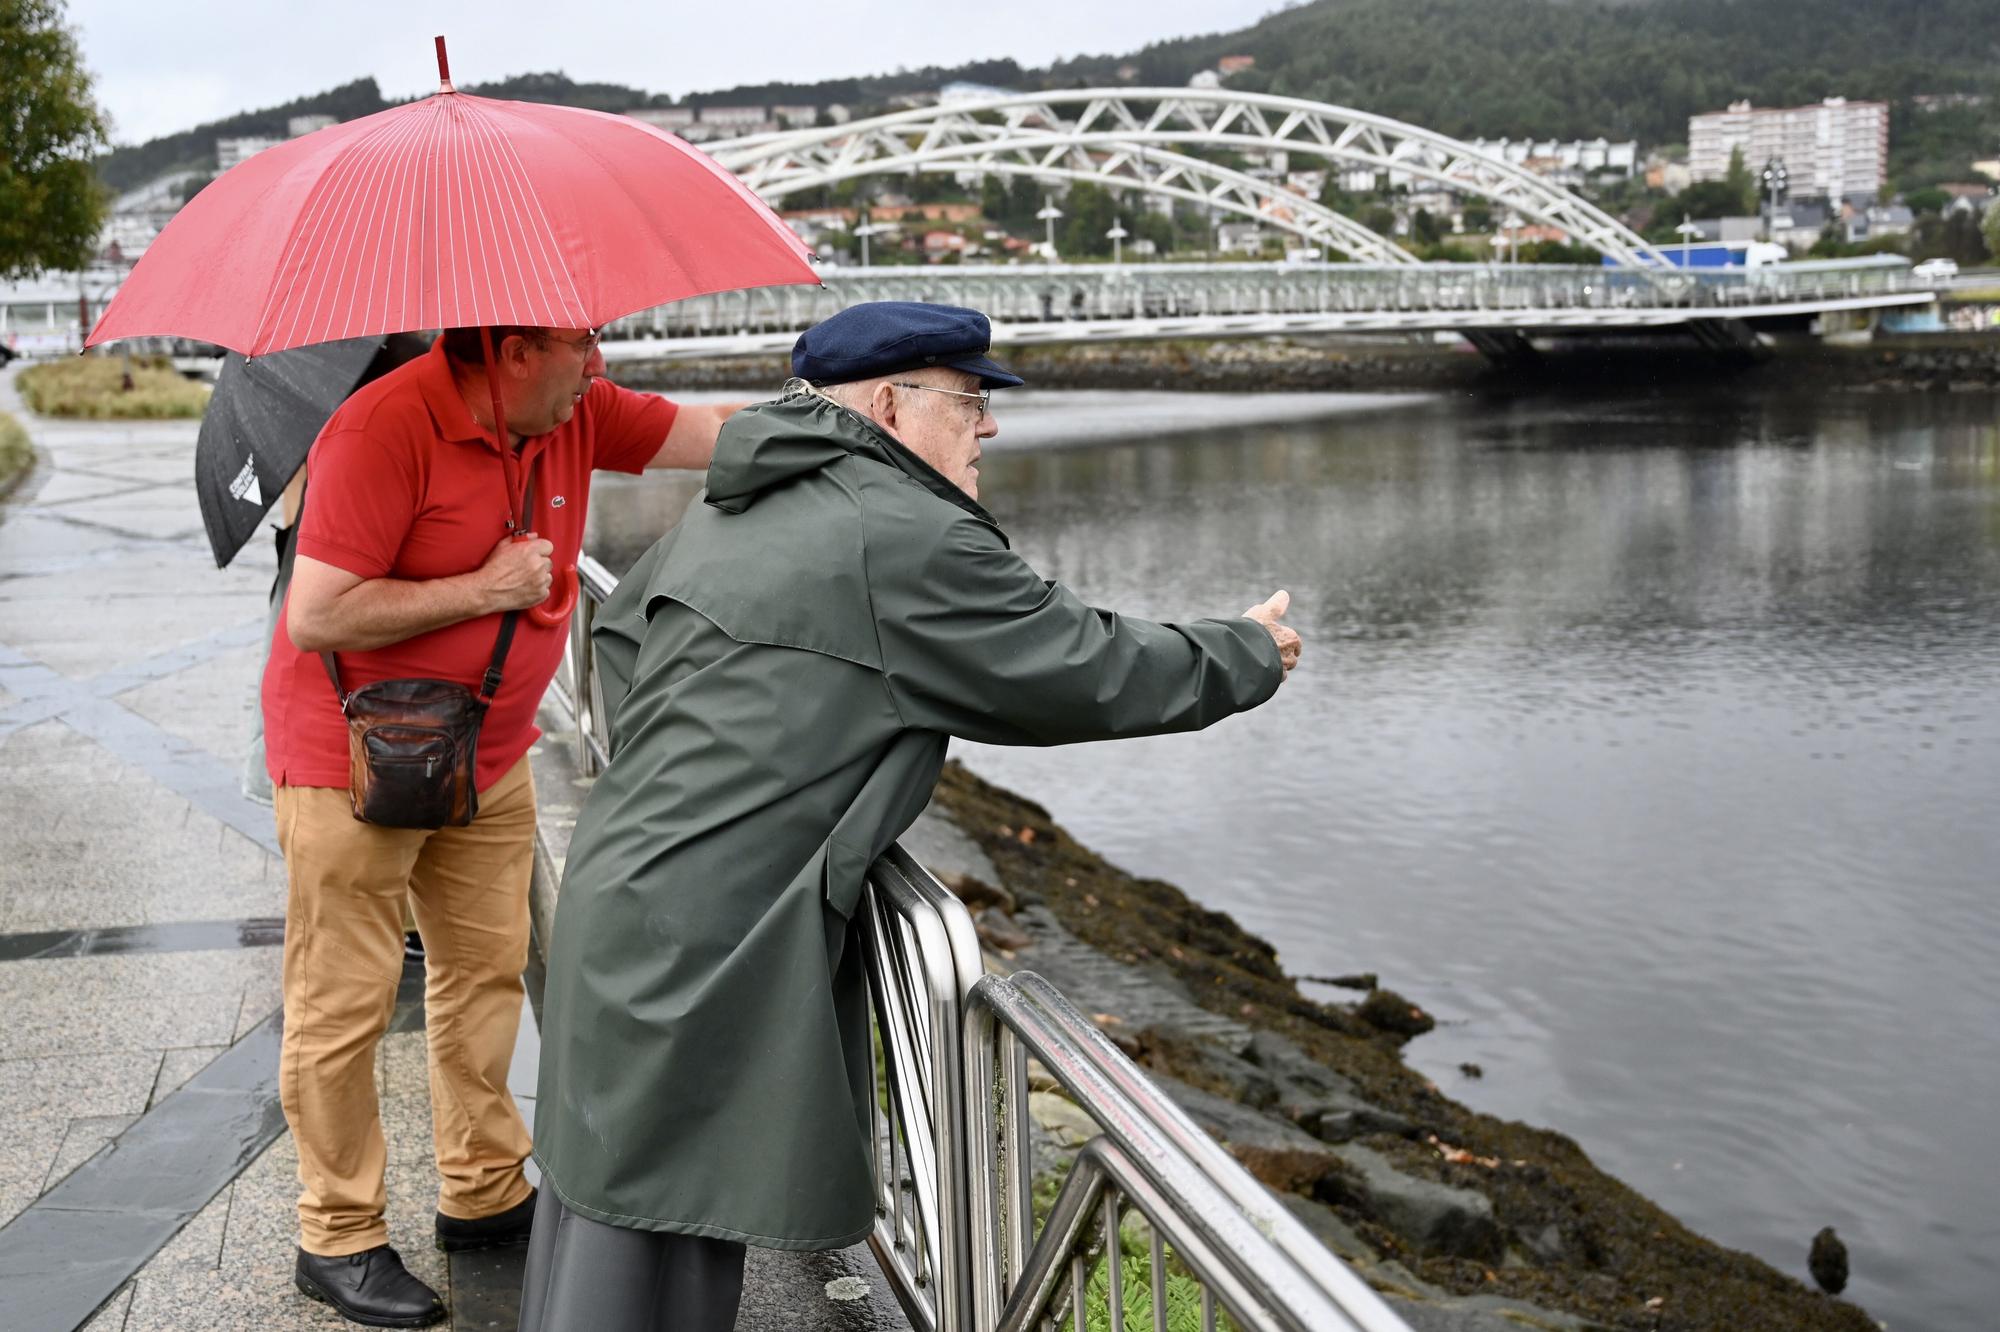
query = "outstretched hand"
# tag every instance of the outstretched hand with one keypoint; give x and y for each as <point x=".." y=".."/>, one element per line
<point x="1270" y="614"/>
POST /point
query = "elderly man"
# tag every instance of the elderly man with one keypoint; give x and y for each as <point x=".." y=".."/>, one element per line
<point x="786" y="668"/>
<point x="408" y="567"/>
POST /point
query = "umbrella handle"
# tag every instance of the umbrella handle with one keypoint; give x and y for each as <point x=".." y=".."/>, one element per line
<point x="562" y="600"/>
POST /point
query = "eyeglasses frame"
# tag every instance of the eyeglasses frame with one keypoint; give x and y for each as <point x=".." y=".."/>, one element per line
<point x="984" y="397"/>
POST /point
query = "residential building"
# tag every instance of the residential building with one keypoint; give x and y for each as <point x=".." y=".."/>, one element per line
<point x="672" y="119"/>
<point x="937" y="244"/>
<point x="732" y="115"/>
<point x="1235" y="64"/>
<point x="300" y="126"/>
<point x="1797" y="224"/>
<point x="960" y="92"/>
<point x="1876" y="220"/>
<point x="1830" y="150"/>
<point x="1967" y="196"/>
<point x="231" y="152"/>
<point x="1246" y="237"/>
<point x="1571" y="162"/>
<point x="795" y="117"/>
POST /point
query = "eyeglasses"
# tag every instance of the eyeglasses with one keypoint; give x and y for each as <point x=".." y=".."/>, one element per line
<point x="587" y="344"/>
<point x="984" y="397"/>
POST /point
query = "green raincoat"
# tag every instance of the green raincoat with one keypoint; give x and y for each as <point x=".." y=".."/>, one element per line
<point x="783" y="672"/>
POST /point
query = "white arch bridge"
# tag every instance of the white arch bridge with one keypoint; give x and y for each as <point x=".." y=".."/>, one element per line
<point x="1175" y="143"/>
<point x="1178" y="144"/>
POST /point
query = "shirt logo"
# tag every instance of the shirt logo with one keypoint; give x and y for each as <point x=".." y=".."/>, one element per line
<point x="557" y="501"/>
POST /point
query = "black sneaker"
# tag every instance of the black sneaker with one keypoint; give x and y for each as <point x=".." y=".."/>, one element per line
<point x="371" y="1287"/>
<point x="413" y="945"/>
<point x="499" y="1231"/>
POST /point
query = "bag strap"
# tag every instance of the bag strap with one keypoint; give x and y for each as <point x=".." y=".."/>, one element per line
<point x="489" y="684"/>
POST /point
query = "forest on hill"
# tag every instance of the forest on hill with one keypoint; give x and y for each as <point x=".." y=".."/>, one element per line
<point x="1624" y="69"/>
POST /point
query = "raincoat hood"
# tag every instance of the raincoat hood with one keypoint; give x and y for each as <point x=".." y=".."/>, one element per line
<point x="774" y="443"/>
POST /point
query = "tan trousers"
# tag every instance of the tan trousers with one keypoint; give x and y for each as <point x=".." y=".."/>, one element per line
<point x="343" y="957"/>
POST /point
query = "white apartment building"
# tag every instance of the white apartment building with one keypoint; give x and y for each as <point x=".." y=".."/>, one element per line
<point x="229" y="152"/>
<point x="668" y="118"/>
<point x="1571" y="162"/>
<point x="1831" y="150"/>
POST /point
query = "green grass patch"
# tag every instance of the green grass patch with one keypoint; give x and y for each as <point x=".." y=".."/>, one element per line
<point x="95" y="388"/>
<point x="16" y="454"/>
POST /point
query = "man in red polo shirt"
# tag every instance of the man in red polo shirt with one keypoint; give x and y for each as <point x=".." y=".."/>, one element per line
<point x="405" y="568"/>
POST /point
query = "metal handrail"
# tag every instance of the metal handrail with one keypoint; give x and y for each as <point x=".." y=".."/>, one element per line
<point x="955" y="1233"/>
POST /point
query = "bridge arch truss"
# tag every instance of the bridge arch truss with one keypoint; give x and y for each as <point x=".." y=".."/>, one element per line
<point x="1151" y="139"/>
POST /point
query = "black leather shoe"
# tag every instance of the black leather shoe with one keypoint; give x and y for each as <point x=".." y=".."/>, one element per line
<point x="371" y="1287"/>
<point x="498" y="1231"/>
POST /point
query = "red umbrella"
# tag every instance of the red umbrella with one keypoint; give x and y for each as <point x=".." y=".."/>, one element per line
<point x="455" y="211"/>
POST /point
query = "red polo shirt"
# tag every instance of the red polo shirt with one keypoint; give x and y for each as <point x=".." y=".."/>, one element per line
<point x="403" y="484"/>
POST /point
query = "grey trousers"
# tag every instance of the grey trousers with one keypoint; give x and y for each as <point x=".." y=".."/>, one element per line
<point x="585" y="1276"/>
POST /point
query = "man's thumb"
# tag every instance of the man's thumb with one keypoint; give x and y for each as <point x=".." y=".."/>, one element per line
<point x="1280" y="602"/>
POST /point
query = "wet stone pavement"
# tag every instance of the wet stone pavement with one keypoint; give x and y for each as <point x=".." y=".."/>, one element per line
<point x="146" y="1179"/>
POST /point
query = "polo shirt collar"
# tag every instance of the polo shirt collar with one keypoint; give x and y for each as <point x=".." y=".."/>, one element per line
<point x="447" y="405"/>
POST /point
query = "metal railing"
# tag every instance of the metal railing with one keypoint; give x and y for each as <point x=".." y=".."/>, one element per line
<point x="1038" y="294"/>
<point x="969" y="1238"/>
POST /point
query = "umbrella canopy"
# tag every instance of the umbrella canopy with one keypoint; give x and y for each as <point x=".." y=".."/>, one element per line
<point x="454" y="211"/>
<point x="263" y="417"/>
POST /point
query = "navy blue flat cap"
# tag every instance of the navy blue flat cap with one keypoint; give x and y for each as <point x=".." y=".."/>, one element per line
<point x="879" y="338"/>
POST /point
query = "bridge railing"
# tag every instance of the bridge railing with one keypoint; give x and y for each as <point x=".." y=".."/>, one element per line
<point x="1150" y="1223"/>
<point x="1098" y="292"/>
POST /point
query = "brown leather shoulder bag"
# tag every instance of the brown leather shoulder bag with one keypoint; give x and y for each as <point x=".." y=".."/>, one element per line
<point x="413" y="745"/>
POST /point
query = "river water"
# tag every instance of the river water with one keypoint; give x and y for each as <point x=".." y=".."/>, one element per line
<point x="1648" y="741"/>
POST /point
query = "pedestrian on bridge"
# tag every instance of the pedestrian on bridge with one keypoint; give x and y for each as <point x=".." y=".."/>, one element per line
<point x="783" y="671"/>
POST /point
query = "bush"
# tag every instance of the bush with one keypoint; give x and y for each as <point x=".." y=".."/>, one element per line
<point x="15" y="452"/>
<point x="93" y="388"/>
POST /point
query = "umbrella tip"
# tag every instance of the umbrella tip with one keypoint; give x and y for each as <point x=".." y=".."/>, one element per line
<point x="444" y="69"/>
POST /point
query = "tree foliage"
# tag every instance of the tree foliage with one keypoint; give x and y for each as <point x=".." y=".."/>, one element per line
<point x="1579" y="68"/>
<point x="51" y="205"/>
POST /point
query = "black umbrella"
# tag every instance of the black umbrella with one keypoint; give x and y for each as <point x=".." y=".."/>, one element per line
<point x="264" y="417"/>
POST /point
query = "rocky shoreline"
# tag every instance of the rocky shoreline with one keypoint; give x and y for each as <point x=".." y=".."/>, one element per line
<point x="1463" y="1220"/>
<point x="1915" y="363"/>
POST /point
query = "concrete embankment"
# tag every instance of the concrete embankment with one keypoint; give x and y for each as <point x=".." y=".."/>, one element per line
<point x="1914" y="363"/>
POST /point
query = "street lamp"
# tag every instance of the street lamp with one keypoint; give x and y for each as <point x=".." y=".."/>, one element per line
<point x="1513" y="224"/>
<point x="1117" y="236"/>
<point x="863" y="231"/>
<point x="1049" y="214"/>
<point x="1775" y="181"/>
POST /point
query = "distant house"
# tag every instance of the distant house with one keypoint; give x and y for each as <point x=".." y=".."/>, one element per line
<point x="732" y="115"/>
<point x="1243" y="237"/>
<point x="300" y="126"/>
<point x="1878" y="220"/>
<point x="669" y="118"/>
<point x="1235" y="64"/>
<point x="1206" y="78"/>
<point x="1967" y="197"/>
<point x="959" y="92"/>
<point x="1798" y="224"/>
<point x="795" y="117"/>
<point x="937" y="244"/>
<point x="231" y="152"/>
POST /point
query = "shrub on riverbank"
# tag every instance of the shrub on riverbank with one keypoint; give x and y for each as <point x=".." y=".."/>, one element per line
<point x="16" y="454"/>
<point x="94" y="388"/>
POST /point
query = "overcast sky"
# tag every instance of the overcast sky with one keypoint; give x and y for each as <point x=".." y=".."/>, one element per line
<point x="166" y="65"/>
